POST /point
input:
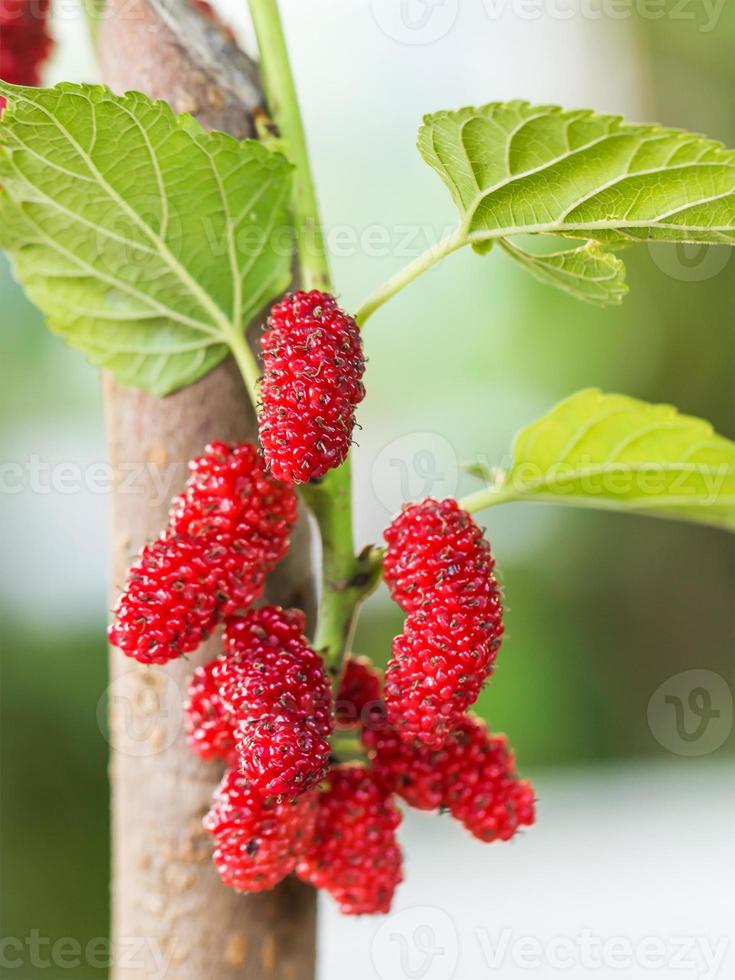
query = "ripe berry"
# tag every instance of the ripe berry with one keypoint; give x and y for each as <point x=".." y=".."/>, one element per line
<point x="229" y="495"/>
<point x="439" y="569"/>
<point x="227" y="530"/>
<point x="355" y="855"/>
<point x="257" y="840"/>
<point x="436" y="552"/>
<point x="360" y="695"/>
<point x="312" y="382"/>
<point x="25" y="41"/>
<point x="170" y="601"/>
<point x="472" y="775"/>
<point x="278" y="691"/>
<point x="210" y="728"/>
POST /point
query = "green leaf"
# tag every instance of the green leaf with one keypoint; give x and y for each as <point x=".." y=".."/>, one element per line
<point x="514" y="168"/>
<point x="589" y="272"/>
<point x="617" y="453"/>
<point x="148" y="243"/>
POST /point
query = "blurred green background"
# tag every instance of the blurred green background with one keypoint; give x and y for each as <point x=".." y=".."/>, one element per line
<point x="601" y="609"/>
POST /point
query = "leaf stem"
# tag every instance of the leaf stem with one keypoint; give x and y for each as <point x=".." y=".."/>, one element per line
<point x="486" y="498"/>
<point x="411" y="272"/>
<point x="283" y="104"/>
<point x="247" y="363"/>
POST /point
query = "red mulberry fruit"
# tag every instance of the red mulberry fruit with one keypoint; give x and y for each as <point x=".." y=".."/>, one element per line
<point x="226" y="532"/>
<point x="360" y="696"/>
<point x="278" y="690"/>
<point x="439" y="569"/>
<point x="436" y="552"/>
<point x="355" y="855"/>
<point x="473" y="776"/>
<point x="257" y="841"/>
<point x="209" y="725"/>
<point x="312" y="383"/>
<point x="482" y="789"/>
<point x="230" y="496"/>
<point x="26" y="43"/>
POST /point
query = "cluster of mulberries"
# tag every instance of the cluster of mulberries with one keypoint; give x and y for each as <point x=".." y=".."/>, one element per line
<point x="340" y="835"/>
<point x="26" y="42"/>
<point x="312" y="383"/>
<point x="229" y="528"/>
<point x="289" y="801"/>
<point x="439" y="569"/>
<point x="472" y="775"/>
<point x="264" y="706"/>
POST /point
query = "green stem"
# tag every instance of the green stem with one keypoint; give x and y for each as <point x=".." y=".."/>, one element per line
<point x="411" y="272"/>
<point x="247" y="363"/>
<point x="489" y="497"/>
<point x="346" y="579"/>
<point x="348" y="747"/>
<point x="283" y="104"/>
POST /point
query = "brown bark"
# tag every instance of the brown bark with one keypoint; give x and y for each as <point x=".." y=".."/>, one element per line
<point x="172" y="917"/>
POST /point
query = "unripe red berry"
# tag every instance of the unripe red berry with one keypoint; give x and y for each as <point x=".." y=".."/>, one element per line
<point x="228" y="529"/>
<point x="25" y="43"/>
<point x="355" y="855"/>
<point x="472" y="775"/>
<point x="209" y="726"/>
<point x="312" y="382"/>
<point x="278" y="691"/>
<point x="257" y="840"/>
<point x="439" y="569"/>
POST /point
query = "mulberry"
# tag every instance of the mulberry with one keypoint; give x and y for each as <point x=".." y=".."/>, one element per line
<point x="355" y="855"/>
<point x="277" y="689"/>
<point x="226" y="532"/>
<point x="312" y="382"/>
<point x="257" y="841"/>
<point x="472" y="775"/>
<point x="26" y="43"/>
<point x="210" y="728"/>
<point x="360" y="695"/>
<point x="439" y="569"/>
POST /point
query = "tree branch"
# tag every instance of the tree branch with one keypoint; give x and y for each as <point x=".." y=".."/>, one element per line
<point x="168" y="902"/>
